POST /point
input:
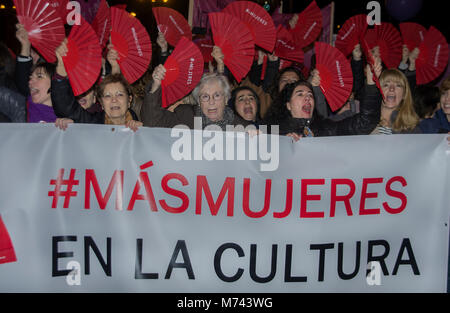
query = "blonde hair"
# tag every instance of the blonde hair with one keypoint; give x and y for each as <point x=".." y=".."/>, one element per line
<point x="407" y="118"/>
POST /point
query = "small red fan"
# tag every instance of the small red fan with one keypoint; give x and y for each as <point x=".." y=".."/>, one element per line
<point x="286" y="48"/>
<point x="389" y="40"/>
<point x="7" y="254"/>
<point x="258" y="21"/>
<point x="206" y="46"/>
<point x="131" y="40"/>
<point x="412" y="34"/>
<point x="44" y="26"/>
<point x="236" y="42"/>
<point x="336" y="77"/>
<point x="350" y="33"/>
<point x="61" y="7"/>
<point x="102" y="23"/>
<point x="184" y="69"/>
<point x="433" y="56"/>
<point x="309" y="25"/>
<point x="371" y="61"/>
<point x="172" y="24"/>
<point x="83" y="61"/>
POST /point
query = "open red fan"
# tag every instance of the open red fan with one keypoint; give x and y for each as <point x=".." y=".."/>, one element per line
<point x="131" y="40"/>
<point x="184" y="69"/>
<point x="350" y="33"/>
<point x="61" y="7"/>
<point x="286" y="48"/>
<point x="44" y="26"/>
<point x="371" y="61"/>
<point x="7" y="253"/>
<point x="83" y="61"/>
<point x="102" y="23"/>
<point x="172" y="24"/>
<point x="258" y="21"/>
<point x="206" y="47"/>
<point x="388" y="39"/>
<point x="336" y="77"/>
<point x="412" y="34"/>
<point x="309" y="25"/>
<point x="433" y="56"/>
<point x="236" y="42"/>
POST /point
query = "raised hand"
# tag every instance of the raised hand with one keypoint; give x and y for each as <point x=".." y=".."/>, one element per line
<point x="61" y="52"/>
<point x="158" y="75"/>
<point x="112" y="56"/>
<point x="22" y="37"/>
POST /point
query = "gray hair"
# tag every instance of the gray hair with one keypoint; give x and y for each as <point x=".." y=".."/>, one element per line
<point x="207" y="79"/>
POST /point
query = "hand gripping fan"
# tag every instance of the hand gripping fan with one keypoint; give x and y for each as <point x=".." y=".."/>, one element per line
<point x="350" y="33"/>
<point x="206" y="47"/>
<point x="102" y="23"/>
<point x="433" y="56"/>
<point x="336" y="77"/>
<point x="371" y="61"/>
<point x="258" y="21"/>
<point x="184" y="69"/>
<point x="309" y="25"/>
<point x="389" y="40"/>
<point x="412" y="34"/>
<point x="83" y="61"/>
<point x="285" y="47"/>
<point x="236" y="42"/>
<point x="132" y="42"/>
<point x="44" y="26"/>
<point x="172" y="24"/>
<point x="7" y="254"/>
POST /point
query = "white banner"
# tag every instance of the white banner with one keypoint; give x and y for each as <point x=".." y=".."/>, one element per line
<point x="102" y="209"/>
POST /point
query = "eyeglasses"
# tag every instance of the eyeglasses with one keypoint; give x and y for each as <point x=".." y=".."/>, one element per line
<point x="205" y="97"/>
<point x="117" y="95"/>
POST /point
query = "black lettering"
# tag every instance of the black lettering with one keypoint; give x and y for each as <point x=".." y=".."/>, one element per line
<point x="321" y="248"/>
<point x="106" y="266"/>
<point x="181" y="246"/>
<point x="340" y="268"/>
<point x="138" y="264"/>
<point x="218" y="257"/>
<point x="57" y="255"/>
<point x="406" y="244"/>
<point x="287" y="269"/>
<point x="379" y="259"/>
<point x="273" y="267"/>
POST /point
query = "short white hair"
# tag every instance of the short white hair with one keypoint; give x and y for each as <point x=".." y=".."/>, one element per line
<point x="207" y="79"/>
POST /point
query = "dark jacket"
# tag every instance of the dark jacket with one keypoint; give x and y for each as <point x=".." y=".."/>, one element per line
<point x="13" y="105"/>
<point x="65" y="105"/>
<point x="438" y="124"/>
<point x="360" y="124"/>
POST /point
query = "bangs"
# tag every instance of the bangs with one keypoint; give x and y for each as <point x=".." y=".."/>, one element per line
<point x="393" y="75"/>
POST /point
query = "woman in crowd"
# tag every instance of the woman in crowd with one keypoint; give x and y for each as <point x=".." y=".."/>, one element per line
<point x="114" y="93"/>
<point x="440" y="122"/>
<point x="211" y="97"/>
<point x="246" y="103"/>
<point x="397" y="109"/>
<point x="299" y="119"/>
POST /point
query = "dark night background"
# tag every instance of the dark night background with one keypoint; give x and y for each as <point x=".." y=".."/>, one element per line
<point x="432" y="13"/>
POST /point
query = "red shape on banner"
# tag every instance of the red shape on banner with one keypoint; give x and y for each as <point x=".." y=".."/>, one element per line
<point x="433" y="56"/>
<point x="172" y="24"/>
<point x="83" y="61"/>
<point x="309" y="25"/>
<point x="350" y="33"/>
<point x="102" y="23"/>
<point x="258" y="21"/>
<point x="184" y="69"/>
<point x="236" y="42"/>
<point x="412" y="34"/>
<point x="131" y="40"/>
<point x="7" y="254"/>
<point x="44" y="26"/>
<point x="336" y="77"/>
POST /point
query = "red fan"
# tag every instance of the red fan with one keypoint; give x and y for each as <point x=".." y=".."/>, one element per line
<point x="433" y="56"/>
<point x="61" y="7"/>
<point x="371" y="38"/>
<point x="336" y="77"/>
<point x="44" y="26"/>
<point x="7" y="254"/>
<point x="102" y="23"/>
<point x="258" y="21"/>
<point x="286" y="48"/>
<point x="413" y="34"/>
<point x="371" y="61"/>
<point x="350" y="33"/>
<point x="172" y="24"/>
<point x="389" y="41"/>
<point x="206" y="47"/>
<point x="309" y="25"/>
<point x="236" y="42"/>
<point x="84" y="58"/>
<point x="184" y="69"/>
<point x="132" y="42"/>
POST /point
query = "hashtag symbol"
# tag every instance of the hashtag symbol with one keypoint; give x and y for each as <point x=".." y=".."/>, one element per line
<point x="68" y="193"/>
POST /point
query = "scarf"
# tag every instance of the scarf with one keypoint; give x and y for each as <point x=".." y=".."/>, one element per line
<point x="227" y="119"/>
<point x="128" y="118"/>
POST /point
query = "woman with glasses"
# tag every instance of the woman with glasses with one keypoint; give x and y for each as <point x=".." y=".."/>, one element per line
<point x="114" y="94"/>
<point x="211" y="97"/>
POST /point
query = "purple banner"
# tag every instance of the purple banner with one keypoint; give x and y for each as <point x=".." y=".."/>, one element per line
<point x="203" y="7"/>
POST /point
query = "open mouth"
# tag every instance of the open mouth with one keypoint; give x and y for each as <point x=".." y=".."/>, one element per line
<point x="248" y="110"/>
<point x="307" y="108"/>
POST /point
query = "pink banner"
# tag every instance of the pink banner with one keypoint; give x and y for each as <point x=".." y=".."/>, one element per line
<point x="203" y="7"/>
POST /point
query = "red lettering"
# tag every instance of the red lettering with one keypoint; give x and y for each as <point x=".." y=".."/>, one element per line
<point x="344" y="198"/>
<point x="176" y="193"/>
<point x="228" y="187"/>
<point x="91" y="179"/>
<point x="365" y="195"/>
<point x="305" y="198"/>
<point x="396" y="194"/>
<point x="143" y="178"/>
<point x="288" y="207"/>
<point x="246" y="199"/>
